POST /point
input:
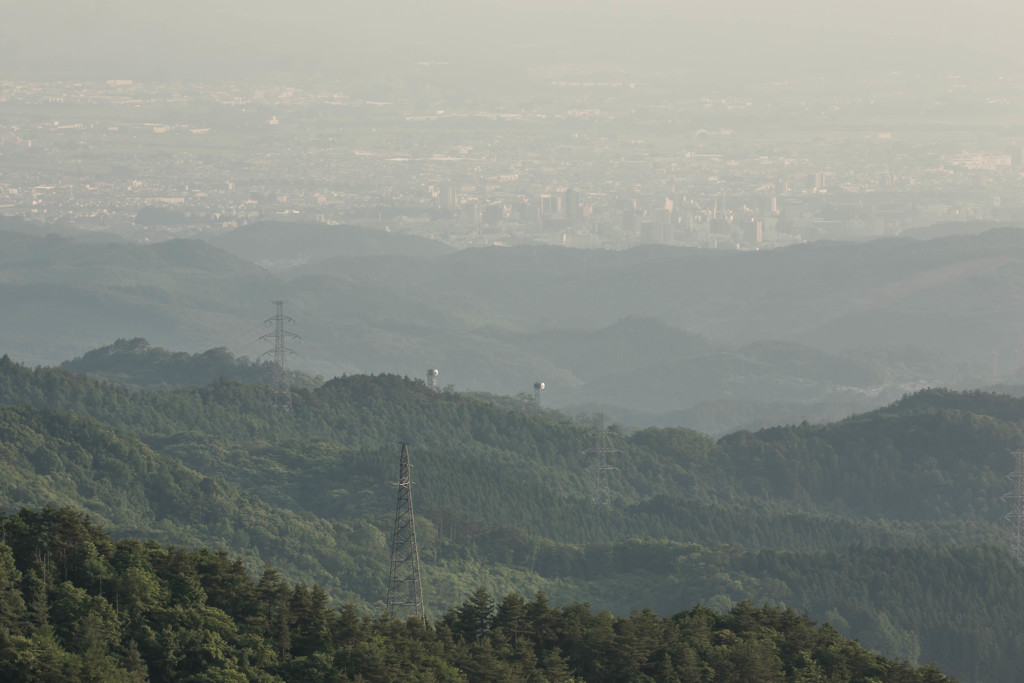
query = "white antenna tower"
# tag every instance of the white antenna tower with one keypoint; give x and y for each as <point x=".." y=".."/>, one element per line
<point x="537" y="388"/>
<point x="432" y="378"/>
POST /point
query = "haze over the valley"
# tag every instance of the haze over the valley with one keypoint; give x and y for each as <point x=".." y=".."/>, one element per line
<point x="653" y="169"/>
<point x="191" y="40"/>
<point x="709" y="314"/>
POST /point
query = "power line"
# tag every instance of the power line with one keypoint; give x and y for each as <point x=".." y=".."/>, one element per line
<point x="405" y="592"/>
<point x="1016" y="515"/>
<point x="281" y="392"/>
<point x="600" y="493"/>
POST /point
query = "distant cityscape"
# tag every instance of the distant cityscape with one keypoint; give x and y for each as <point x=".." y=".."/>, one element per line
<point x="565" y="157"/>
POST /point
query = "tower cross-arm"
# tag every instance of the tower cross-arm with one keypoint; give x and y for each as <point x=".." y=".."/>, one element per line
<point x="281" y="395"/>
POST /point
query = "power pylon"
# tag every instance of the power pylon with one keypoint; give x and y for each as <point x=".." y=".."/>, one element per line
<point x="600" y="494"/>
<point x="281" y="391"/>
<point x="405" y="592"/>
<point x="1016" y="515"/>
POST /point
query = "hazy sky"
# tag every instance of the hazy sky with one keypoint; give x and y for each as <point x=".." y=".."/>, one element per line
<point x="100" y="39"/>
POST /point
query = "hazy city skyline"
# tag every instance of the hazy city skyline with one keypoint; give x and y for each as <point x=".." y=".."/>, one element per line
<point x="761" y="264"/>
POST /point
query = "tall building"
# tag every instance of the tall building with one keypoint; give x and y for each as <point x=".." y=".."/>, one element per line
<point x="572" y="205"/>
<point x="550" y="203"/>
<point x="447" y="197"/>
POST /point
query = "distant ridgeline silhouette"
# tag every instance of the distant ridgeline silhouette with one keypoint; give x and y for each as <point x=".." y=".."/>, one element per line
<point x="135" y="364"/>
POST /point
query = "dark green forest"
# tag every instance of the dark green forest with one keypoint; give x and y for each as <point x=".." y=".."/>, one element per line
<point x="77" y="606"/>
<point x="883" y="524"/>
<point x="135" y="364"/>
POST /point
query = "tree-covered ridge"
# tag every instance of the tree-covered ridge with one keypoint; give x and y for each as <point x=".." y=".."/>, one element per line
<point x="490" y="465"/>
<point x="953" y="457"/>
<point x="76" y="606"/>
<point x="935" y="454"/>
<point x="135" y="364"/>
<point x="502" y="500"/>
<point x="50" y="458"/>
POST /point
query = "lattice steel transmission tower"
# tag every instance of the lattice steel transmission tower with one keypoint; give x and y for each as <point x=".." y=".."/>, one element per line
<point x="1016" y="515"/>
<point x="281" y="391"/>
<point x="405" y="591"/>
<point x="600" y="494"/>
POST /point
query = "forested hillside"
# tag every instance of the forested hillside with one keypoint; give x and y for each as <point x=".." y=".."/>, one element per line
<point x="76" y="606"/>
<point x="58" y="459"/>
<point x="135" y="364"/>
<point x="883" y="524"/>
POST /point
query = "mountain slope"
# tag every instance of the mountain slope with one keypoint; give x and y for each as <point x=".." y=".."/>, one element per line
<point x="655" y="330"/>
<point x="803" y="515"/>
<point x="59" y="460"/>
<point x="135" y="364"/>
<point x="278" y="245"/>
<point x="132" y="611"/>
